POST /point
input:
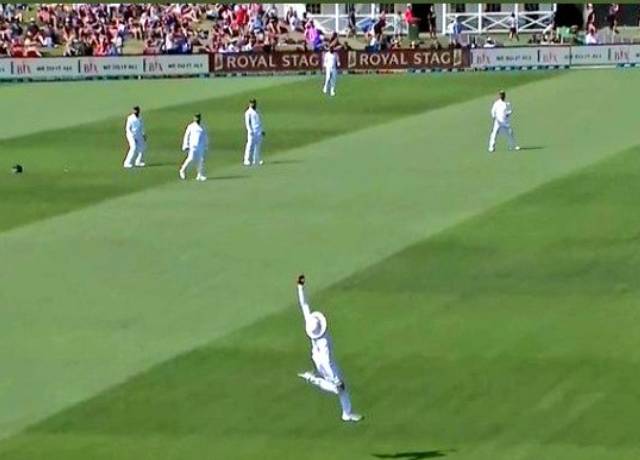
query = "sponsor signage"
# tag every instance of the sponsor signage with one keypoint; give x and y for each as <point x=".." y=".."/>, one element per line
<point x="110" y="66"/>
<point x="42" y="68"/>
<point x="266" y="62"/>
<point x="64" y="68"/>
<point x="195" y="64"/>
<point x="199" y="64"/>
<point x="520" y="57"/>
<point x="604" y="55"/>
<point x="5" y="68"/>
<point x="408" y="59"/>
<point x="349" y="60"/>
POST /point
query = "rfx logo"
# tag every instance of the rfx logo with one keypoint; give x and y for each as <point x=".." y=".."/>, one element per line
<point x="482" y="58"/>
<point x="547" y="57"/>
<point x="154" y="66"/>
<point x="22" y="69"/>
<point x="89" y="68"/>
<point x="620" y="55"/>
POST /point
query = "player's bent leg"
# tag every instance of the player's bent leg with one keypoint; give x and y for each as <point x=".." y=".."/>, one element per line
<point x="185" y="165"/>
<point x="139" y="161"/>
<point x="320" y="382"/>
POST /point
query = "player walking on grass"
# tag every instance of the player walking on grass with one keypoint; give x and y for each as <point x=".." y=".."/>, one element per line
<point x="501" y="114"/>
<point x="195" y="143"/>
<point x="136" y="138"/>
<point x="330" y="64"/>
<point x="327" y="376"/>
<point x="253" y="123"/>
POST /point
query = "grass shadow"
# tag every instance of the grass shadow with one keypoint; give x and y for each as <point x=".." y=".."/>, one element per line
<point x="284" y="162"/>
<point x="419" y="455"/>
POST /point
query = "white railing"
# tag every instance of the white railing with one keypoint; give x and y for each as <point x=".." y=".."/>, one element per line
<point x="340" y="23"/>
<point x="480" y="22"/>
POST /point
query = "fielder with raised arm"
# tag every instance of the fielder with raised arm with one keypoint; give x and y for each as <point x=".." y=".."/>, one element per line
<point x="327" y="376"/>
<point x="501" y="114"/>
<point x="330" y="63"/>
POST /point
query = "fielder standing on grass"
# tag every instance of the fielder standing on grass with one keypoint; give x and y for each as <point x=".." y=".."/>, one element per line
<point x="253" y="123"/>
<point x="330" y="64"/>
<point x="136" y="138"/>
<point x="195" y="143"/>
<point x="327" y="376"/>
<point x="501" y="114"/>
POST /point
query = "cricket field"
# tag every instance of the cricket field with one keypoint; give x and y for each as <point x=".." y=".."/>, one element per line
<point x="482" y="307"/>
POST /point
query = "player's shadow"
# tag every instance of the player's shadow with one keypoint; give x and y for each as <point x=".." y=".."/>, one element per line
<point x="413" y="455"/>
<point x="532" y="147"/>
<point x="284" y="162"/>
<point x="229" y="177"/>
<point x="163" y="163"/>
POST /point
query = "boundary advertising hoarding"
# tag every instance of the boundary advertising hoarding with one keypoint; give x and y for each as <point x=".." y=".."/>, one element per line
<point x="296" y="62"/>
<point x="349" y="61"/>
<point x="69" y="68"/>
<point x="555" y="56"/>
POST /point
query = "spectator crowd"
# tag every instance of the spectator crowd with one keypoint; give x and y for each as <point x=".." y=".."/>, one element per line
<point x="110" y="29"/>
<point x="99" y="29"/>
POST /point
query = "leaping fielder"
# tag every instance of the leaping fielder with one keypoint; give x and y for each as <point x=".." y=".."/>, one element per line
<point x="136" y="138"/>
<point x="330" y="63"/>
<point x="501" y="113"/>
<point x="327" y="375"/>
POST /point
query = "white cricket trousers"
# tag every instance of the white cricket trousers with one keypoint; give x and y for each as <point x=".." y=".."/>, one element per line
<point x="329" y="379"/>
<point x="136" y="151"/>
<point x="506" y="129"/>
<point x="196" y="156"/>
<point x="330" y="76"/>
<point x="252" y="151"/>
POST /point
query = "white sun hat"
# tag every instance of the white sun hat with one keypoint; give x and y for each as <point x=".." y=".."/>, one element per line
<point x="316" y="325"/>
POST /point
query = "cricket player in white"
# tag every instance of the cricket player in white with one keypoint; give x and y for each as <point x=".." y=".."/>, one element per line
<point x="195" y="143"/>
<point x="327" y="376"/>
<point x="501" y="114"/>
<point x="330" y="63"/>
<point x="253" y="123"/>
<point x="136" y="138"/>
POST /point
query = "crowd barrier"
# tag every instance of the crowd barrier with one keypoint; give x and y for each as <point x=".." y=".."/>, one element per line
<point x="69" y="68"/>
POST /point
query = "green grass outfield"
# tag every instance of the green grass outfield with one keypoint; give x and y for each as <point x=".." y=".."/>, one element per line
<point x="482" y="307"/>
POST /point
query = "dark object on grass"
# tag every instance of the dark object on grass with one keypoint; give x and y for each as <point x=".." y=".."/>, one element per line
<point x="17" y="169"/>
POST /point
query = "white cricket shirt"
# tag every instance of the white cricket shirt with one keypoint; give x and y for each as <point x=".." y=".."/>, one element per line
<point x="501" y="112"/>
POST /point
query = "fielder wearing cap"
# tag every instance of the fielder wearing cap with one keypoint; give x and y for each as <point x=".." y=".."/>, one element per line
<point x="327" y="375"/>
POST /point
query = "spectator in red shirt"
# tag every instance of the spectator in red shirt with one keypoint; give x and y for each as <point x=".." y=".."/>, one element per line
<point x="409" y="18"/>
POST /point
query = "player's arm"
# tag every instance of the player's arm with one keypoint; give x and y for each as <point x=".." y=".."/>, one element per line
<point x="185" y="141"/>
<point x="247" y="121"/>
<point x="302" y="301"/>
